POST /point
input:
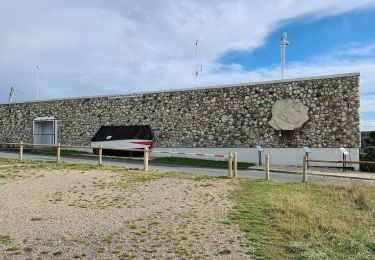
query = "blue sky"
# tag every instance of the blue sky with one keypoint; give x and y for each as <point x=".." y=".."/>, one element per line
<point x="110" y="47"/>
<point x="309" y="37"/>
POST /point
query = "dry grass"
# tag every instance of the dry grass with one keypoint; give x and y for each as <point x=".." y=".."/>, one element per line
<point x="312" y="221"/>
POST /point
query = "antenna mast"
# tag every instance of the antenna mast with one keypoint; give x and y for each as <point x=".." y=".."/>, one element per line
<point x="37" y="81"/>
<point x="11" y="92"/>
<point x="198" y="68"/>
<point x="284" y="42"/>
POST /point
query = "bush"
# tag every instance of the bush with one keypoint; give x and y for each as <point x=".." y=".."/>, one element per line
<point x="368" y="154"/>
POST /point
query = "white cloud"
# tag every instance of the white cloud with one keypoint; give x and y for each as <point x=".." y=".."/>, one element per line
<point x="116" y="46"/>
<point x="367" y="125"/>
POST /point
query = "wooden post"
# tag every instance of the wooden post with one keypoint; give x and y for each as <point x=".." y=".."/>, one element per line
<point x="58" y="150"/>
<point x="267" y="166"/>
<point x="100" y="154"/>
<point x="21" y="151"/>
<point x="229" y="165"/>
<point x="304" y="173"/>
<point x="145" y="158"/>
<point x="235" y="165"/>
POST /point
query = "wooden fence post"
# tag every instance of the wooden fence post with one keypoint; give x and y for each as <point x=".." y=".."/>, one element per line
<point x="229" y="165"/>
<point x="145" y="158"/>
<point x="21" y="151"/>
<point x="58" y="150"/>
<point x="304" y="173"/>
<point x="100" y="154"/>
<point x="235" y="165"/>
<point x="267" y="167"/>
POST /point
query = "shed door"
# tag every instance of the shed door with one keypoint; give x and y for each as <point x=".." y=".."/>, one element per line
<point x="45" y="130"/>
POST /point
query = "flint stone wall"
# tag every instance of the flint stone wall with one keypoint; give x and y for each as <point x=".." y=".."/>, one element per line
<point x="226" y="116"/>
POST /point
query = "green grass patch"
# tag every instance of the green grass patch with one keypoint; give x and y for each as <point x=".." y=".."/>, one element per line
<point x="51" y="151"/>
<point x="5" y="239"/>
<point x="37" y="218"/>
<point x="306" y="221"/>
<point x="200" y="162"/>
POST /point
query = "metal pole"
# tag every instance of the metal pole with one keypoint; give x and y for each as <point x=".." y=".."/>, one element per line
<point x="284" y="42"/>
<point x="260" y="158"/>
<point x="10" y="99"/>
<point x="282" y="61"/>
<point x="304" y="173"/>
<point x="37" y="81"/>
<point x="343" y="162"/>
<point x="196" y="63"/>
<point x="307" y="155"/>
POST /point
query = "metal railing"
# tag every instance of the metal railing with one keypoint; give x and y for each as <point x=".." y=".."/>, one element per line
<point x="344" y="162"/>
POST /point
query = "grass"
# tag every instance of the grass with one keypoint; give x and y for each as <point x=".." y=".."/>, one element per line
<point x="282" y="220"/>
<point x="51" y="151"/>
<point x="5" y="239"/>
<point x="200" y="162"/>
<point x="306" y="221"/>
<point x="37" y="218"/>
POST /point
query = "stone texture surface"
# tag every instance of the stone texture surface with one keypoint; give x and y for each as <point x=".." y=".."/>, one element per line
<point x="232" y="116"/>
<point x="288" y="114"/>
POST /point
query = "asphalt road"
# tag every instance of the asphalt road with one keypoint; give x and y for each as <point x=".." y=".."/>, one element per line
<point x="250" y="174"/>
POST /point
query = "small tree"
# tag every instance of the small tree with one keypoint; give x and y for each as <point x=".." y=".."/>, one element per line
<point x="371" y="140"/>
<point x="368" y="153"/>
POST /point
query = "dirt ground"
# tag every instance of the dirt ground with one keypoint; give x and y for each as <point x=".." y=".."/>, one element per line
<point x="101" y="214"/>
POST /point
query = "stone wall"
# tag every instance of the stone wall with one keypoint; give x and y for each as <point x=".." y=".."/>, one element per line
<point x="224" y="116"/>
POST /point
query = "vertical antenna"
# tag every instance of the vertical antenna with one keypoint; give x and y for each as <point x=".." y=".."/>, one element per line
<point x="198" y="68"/>
<point x="284" y="42"/>
<point x="37" y="81"/>
<point x="11" y="92"/>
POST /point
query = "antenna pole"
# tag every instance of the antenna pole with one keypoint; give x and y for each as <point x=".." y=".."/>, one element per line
<point x="198" y="68"/>
<point x="196" y="63"/>
<point x="11" y="92"/>
<point x="284" y="42"/>
<point x="37" y="81"/>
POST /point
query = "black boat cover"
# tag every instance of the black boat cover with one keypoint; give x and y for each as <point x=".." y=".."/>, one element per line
<point x="110" y="133"/>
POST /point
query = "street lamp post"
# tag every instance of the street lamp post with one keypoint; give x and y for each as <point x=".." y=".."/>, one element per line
<point x="37" y="81"/>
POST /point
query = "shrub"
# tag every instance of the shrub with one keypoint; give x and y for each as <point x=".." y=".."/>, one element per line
<point x="368" y="154"/>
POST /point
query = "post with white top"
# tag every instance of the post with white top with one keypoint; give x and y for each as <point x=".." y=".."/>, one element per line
<point x="304" y="172"/>
<point x="260" y="150"/>
<point x="344" y="154"/>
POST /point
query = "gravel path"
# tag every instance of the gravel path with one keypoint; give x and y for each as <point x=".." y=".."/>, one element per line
<point x="101" y="214"/>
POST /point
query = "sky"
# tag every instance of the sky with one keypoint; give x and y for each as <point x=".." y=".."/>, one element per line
<point x="96" y="47"/>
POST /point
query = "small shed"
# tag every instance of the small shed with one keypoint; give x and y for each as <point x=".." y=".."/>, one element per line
<point x="45" y="130"/>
